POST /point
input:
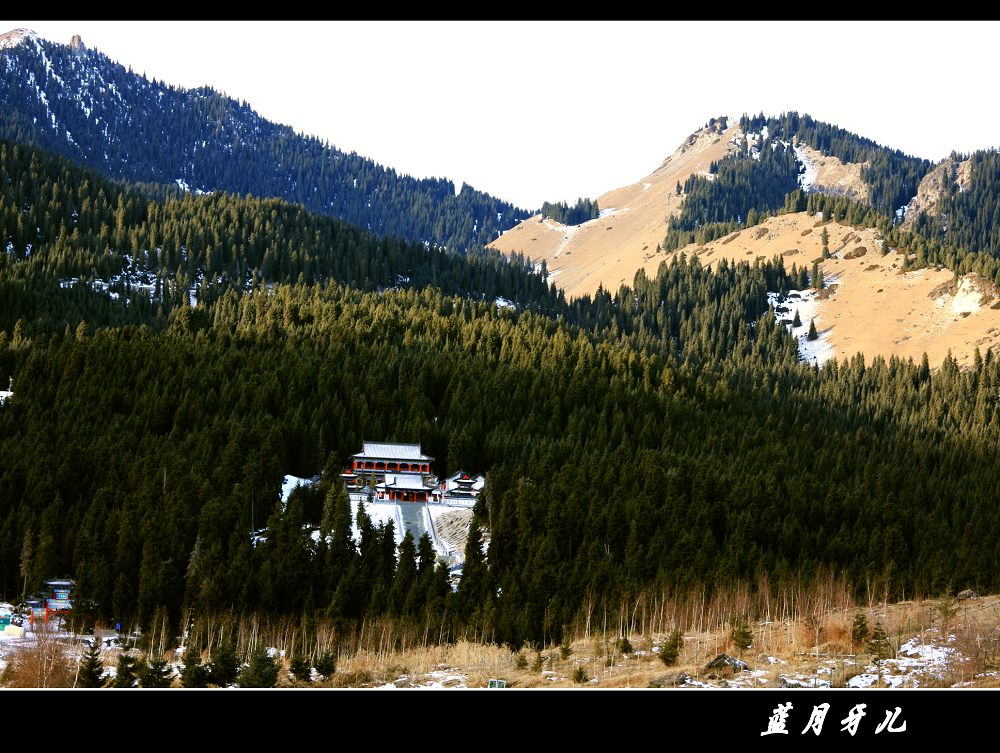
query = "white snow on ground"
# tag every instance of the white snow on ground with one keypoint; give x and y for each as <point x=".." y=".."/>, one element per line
<point x="183" y="185"/>
<point x="901" y="212"/>
<point x="504" y="303"/>
<point x="646" y="186"/>
<point x="917" y="660"/>
<point x="288" y="484"/>
<point x="967" y="298"/>
<point x="568" y="231"/>
<point x="380" y="514"/>
<point x="609" y="212"/>
<point x="807" y="179"/>
<point x="432" y="680"/>
<point x="438" y="509"/>
<point x="814" y="352"/>
<point x="4" y="394"/>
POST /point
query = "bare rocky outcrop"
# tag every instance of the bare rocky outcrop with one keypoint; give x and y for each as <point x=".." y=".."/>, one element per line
<point x="702" y="139"/>
<point x="673" y="680"/>
<point x="728" y="663"/>
<point x="968" y="293"/>
<point x="834" y="177"/>
<point x="932" y="186"/>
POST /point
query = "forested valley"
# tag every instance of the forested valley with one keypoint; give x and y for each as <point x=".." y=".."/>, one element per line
<point x="661" y="437"/>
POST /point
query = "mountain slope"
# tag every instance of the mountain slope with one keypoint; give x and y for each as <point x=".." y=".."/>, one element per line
<point x="607" y="251"/>
<point x="871" y="304"/>
<point x="79" y="103"/>
<point x="64" y="226"/>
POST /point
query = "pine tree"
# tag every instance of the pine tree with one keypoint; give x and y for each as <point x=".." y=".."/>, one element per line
<point x="859" y="630"/>
<point x="825" y="237"/>
<point x="125" y="674"/>
<point x="326" y="664"/>
<point x="156" y="674"/>
<point x="740" y="634"/>
<point x="473" y="588"/>
<point x="671" y="650"/>
<point x="817" y="276"/>
<point x="260" y="672"/>
<point x="225" y="665"/>
<point x="797" y="321"/>
<point x="195" y="674"/>
<point x="301" y="669"/>
<point x="878" y="645"/>
<point x="813" y="334"/>
<point x="91" y="668"/>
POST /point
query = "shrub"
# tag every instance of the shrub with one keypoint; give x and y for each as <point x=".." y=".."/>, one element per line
<point x="671" y="650"/>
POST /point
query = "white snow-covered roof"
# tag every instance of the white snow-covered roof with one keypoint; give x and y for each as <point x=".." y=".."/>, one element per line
<point x="384" y="450"/>
<point x="477" y="481"/>
<point x="406" y="481"/>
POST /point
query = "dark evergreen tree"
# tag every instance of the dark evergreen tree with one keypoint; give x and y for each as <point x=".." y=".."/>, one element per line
<point x="125" y="674"/>
<point x="224" y="666"/>
<point x="195" y="674"/>
<point x="859" y="630"/>
<point x="261" y="671"/>
<point x="671" y="649"/>
<point x="740" y="634"/>
<point x="878" y="644"/>
<point x="301" y="669"/>
<point x="91" y="674"/>
<point x="326" y="664"/>
<point x="155" y="674"/>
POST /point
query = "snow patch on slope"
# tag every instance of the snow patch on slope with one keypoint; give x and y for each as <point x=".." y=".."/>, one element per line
<point x="805" y="302"/>
<point x="810" y="171"/>
<point x="15" y="37"/>
<point x="968" y="298"/>
<point x="288" y="485"/>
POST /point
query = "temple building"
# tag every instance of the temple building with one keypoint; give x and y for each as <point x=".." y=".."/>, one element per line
<point x="405" y="487"/>
<point x="461" y="487"/>
<point x="394" y="472"/>
<point x="378" y="458"/>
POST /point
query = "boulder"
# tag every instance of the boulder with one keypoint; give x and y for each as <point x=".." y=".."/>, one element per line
<point x="725" y="661"/>
<point x="669" y="681"/>
<point x="967" y="594"/>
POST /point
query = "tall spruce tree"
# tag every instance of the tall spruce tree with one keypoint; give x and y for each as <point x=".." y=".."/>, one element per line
<point x="225" y="666"/>
<point x="156" y="674"/>
<point x="261" y="671"/>
<point x="125" y="673"/>
<point x="195" y="674"/>
<point x="91" y="674"/>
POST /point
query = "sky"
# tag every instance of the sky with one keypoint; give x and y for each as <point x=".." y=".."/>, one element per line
<point x="551" y="111"/>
